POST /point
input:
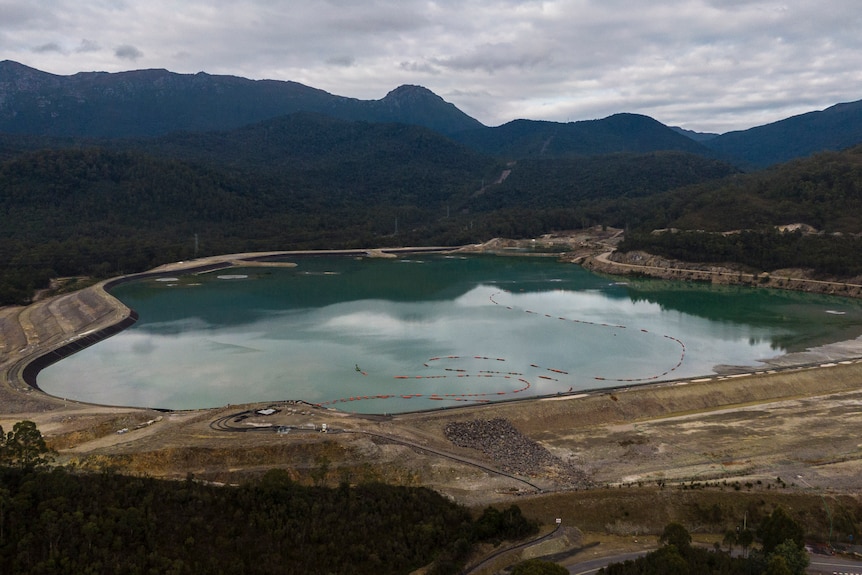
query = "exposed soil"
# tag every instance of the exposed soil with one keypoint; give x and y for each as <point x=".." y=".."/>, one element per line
<point x="802" y="423"/>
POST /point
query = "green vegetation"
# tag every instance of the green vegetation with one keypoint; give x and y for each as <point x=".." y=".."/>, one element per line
<point x="583" y="183"/>
<point x="59" y="522"/>
<point x="53" y="520"/>
<point x="98" y="212"/>
<point x="102" y="208"/>
<point x="521" y="139"/>
<point x="506" y="524"/>
<point x="24" y="447"/>
<point x="782" y="552"/>
<point x="298" y="182"/>
<point x="538" y="567"/>
<point x="823" y="191"/>
<point x="762" y="250"/>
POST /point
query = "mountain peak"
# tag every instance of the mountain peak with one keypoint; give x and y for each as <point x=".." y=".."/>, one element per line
<point x="156" y="101"/>
<point x="411" y="91"/>
<point x="10" y="68"/>
<point x="412" y="104"/>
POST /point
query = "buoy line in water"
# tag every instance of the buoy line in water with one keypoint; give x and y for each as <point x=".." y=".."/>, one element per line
<point x="484" y="397"/>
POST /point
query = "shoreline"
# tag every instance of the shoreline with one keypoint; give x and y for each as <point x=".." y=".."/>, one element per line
<point x="740" y="424"/>
<point x="661" y="268"/>
<point x="20" y="374"/>
<point x="46" y="331"/>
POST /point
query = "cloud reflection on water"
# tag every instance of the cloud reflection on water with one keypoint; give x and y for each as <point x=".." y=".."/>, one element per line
<point x="311" y="353"/>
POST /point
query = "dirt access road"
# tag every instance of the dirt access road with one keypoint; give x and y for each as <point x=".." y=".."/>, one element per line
<point x="802" y="422"/>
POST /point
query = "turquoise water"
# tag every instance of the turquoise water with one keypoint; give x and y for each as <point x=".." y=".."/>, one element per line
<point x="421" y="332"/>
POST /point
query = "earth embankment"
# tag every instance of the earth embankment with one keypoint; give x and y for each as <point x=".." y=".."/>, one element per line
<point x="801" y="421"/>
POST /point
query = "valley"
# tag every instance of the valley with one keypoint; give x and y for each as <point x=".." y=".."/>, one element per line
<point x="110" y="175"/>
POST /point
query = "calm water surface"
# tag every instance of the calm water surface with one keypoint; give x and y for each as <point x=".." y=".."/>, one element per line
<point x="374" y="335"/>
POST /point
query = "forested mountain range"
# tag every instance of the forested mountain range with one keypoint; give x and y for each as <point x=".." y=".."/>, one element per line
<point x="156" y="102"/>
<point x="617" y="133"/>
<point x="835" y="128"/>
<point x="79" y="203"/>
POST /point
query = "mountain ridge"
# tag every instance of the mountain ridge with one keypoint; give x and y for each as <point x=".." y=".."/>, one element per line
<point x="623" y="132"/>
<point x="155" y="102"/>
<point x="834" y="128"/>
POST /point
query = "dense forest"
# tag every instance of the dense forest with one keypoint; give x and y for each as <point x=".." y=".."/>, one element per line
<point x="101" y="208"/>
<point x="737" y="218"/>
<point x="823" y="191"/>
<point x="760" y="250"/>
<point x="297" y="182"/>
<point x="59" y="520"/>
<point x="55" y="520"/>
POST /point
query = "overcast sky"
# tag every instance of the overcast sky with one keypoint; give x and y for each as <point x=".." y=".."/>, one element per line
<point x="705" y="65"/>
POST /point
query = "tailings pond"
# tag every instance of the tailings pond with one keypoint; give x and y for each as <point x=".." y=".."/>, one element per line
<point x="429" y="331"/>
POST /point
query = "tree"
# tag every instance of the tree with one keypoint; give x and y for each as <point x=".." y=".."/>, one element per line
<point x="677" y="535"/>
<point x="794" y="557"/>
<point x="778" y="528"/>
<point x="777" y="566"/>
<point x="498" y="525"/>
<point x="538" y="567"/>
<point x="668" y="561"/>
<point x="25" y="447"/>
<point x="730" y="539"/>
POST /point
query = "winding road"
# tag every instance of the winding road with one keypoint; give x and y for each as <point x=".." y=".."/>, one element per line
<point x="224" y="424"/>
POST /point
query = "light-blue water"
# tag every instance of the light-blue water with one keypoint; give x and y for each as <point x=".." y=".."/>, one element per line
<point x="374" y="336"/>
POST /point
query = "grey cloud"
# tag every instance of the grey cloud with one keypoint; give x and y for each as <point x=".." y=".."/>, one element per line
<point x="49" y="47"/>
<point x="127" y="52"/>
<point x="377" y="23"/>
<point x="341" y="61"/>
<point x="87" y="46"/>
<point x="375" y="17"/>
<point x="710" y="65"/>
<point x="419" y="67"/>
<point x="494" y="57"/>
<point x="17" y="13"/>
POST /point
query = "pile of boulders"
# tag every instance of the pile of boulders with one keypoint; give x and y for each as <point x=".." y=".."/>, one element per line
<point x="514" y="452"/>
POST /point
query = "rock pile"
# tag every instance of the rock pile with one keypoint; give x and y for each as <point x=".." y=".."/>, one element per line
<point x="514" y="452"/>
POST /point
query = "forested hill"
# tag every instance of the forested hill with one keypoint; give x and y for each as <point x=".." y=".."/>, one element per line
<point x="823" y="192"/>
<point x="308" y="181"/>
<point x="390" y="158"/>
<point x="835" y="128"/>
<point x="617" y="133"/>
<point x="101" y="208"/>
<point x="154" y="102"/>
<point x="597" y="180"/>
<point x="147" y="103"/>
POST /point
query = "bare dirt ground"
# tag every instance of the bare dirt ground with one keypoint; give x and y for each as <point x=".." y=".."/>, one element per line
<point x="802" y="423"/>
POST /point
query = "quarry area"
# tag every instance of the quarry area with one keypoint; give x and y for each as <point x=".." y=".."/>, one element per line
<point x="793" y="426"/>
